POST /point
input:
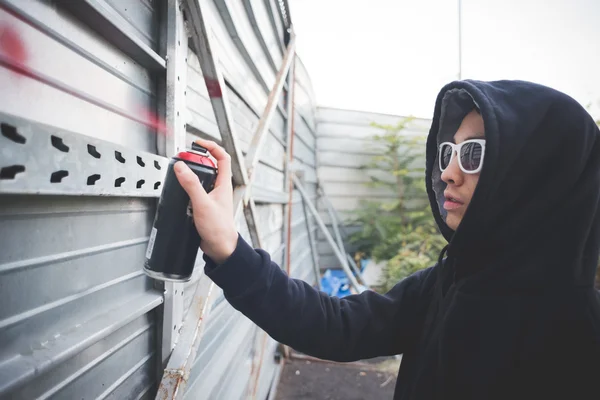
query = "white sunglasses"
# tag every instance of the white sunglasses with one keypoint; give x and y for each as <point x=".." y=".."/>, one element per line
<point x="471" y="154"/>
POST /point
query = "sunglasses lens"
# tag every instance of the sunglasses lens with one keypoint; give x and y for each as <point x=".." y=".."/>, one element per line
<point x="470" y="156"/>
<point x="445" y="156"/>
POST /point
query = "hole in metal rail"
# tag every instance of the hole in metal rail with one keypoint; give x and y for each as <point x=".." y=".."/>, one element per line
<point x="140" y="162"/>
<point x="119" y="157"/>
<point x="119" y="181"/>
<point x="11" y="133"/>
<point x="58" y="176"/>
<point x="59" y="144"/>
<point x="157" y="165"/>
<point x="11" y="172"/>
<point x="140" y="183"/>
<point x="156" y="185"/>
<point x="92" y="179"/>
<point x="93" y="152"/>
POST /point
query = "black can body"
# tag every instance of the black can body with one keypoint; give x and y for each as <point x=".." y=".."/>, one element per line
<point x="174" y="241"/>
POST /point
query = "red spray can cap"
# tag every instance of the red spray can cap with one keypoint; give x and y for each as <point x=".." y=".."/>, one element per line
<point x="198" y="155"/>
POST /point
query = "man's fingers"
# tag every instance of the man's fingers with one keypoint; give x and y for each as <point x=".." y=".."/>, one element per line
<point x="190" y="183"/>
<point x="215" y="150"/>
<point x="224" y="175"/>
<point x="223" y="161"/>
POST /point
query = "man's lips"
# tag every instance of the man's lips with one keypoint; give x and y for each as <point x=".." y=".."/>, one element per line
<point x="452" y="202"/>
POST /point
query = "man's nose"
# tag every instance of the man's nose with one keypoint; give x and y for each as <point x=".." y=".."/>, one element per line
<point x="453" y="174"/>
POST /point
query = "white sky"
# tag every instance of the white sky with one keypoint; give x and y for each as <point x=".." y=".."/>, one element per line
<point x="393" y="56"/>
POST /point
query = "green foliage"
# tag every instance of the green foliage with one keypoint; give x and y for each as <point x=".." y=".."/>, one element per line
<point x="401" y="231"/>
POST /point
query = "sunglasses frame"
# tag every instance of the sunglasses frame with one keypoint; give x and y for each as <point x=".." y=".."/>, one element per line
<point x="456" y="149"/>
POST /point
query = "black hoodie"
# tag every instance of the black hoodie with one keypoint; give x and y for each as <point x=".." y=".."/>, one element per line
<point x="511" y="312"/>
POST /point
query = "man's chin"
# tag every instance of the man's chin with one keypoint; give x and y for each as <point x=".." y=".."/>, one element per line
<point x="452" y="221"/>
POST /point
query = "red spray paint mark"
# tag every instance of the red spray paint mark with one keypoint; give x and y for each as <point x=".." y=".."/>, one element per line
<point x="214" y="88"/>
<point x="11" y="44"/>
<point x="13" y="56"/>
<point x="153" y="121"/>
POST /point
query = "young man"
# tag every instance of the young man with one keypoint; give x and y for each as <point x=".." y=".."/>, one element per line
<point x="513" y="176"/>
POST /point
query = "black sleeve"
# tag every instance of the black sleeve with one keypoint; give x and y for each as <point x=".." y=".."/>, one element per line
<point x="292" y="312"/>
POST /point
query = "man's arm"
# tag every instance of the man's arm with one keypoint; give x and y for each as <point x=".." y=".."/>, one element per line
<point x="294" y="313"/>
<point x="291" y="311"/>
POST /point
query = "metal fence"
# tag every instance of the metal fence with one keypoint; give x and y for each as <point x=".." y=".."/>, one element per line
<point x="97" y="94"/>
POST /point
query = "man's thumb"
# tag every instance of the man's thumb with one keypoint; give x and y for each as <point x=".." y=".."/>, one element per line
<point x="190" y="182"/>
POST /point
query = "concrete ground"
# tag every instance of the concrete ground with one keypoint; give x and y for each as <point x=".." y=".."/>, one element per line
<point x="305" y="378"/>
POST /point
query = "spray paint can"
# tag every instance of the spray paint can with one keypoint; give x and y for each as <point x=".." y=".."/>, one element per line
<point x="174" y="240"/>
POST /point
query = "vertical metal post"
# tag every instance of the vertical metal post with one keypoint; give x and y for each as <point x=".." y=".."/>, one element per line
<point x="171" y="106"/>
<point x="289" y="157"/>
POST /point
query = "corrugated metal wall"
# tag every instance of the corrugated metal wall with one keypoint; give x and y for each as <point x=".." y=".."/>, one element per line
<point x="79" y="318"/>
<point x="345" y="143"/>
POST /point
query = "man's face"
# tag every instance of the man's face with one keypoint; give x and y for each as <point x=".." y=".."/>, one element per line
<point x="460" y="185"/>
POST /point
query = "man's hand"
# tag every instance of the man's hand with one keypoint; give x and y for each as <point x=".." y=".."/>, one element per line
<point x="213" y="212"/>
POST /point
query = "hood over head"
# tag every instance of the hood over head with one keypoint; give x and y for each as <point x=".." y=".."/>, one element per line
<point x="533" y="220"/>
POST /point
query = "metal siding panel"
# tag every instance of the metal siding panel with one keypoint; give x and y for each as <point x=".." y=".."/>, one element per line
<point x="142" y="17"/>
<point x="301" y="267"/>
<point x="304" y="153"/>
<point x="362" y="118"/>
<point x="338" y="159"/>
<point x="271" y="218"/>
<point x="303" y="78"/>
<point x="246" y="33"/>
<point x="264" y="25"/>
<point x="309" y="175"/>
<point x="78" y="313"/>
<point x="272" y="5"/>
<point x="268" y="369"/>
<point x="234" y="68"/>
<point x="230" y="342"/>
<point x="305" y="97"/>
<point x="201" y="117"/>
<point x="351" y="145"/>
<point x="240" y="371"/>
<point x="338" y="130"/>
<point x="278" y="125"/>
<point x="92" y="371"/>
<point x="62" y="64"/>
<point x="341" y="204"/>
<point x="104" y="266"/>
<point x="304" y="131"/>
<point x="305" y="106"/>
<point x="207" y="374"/>
<point x="351" y="190"/>
<point x="351" y="176"/>
<point x="64" y="28"/>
